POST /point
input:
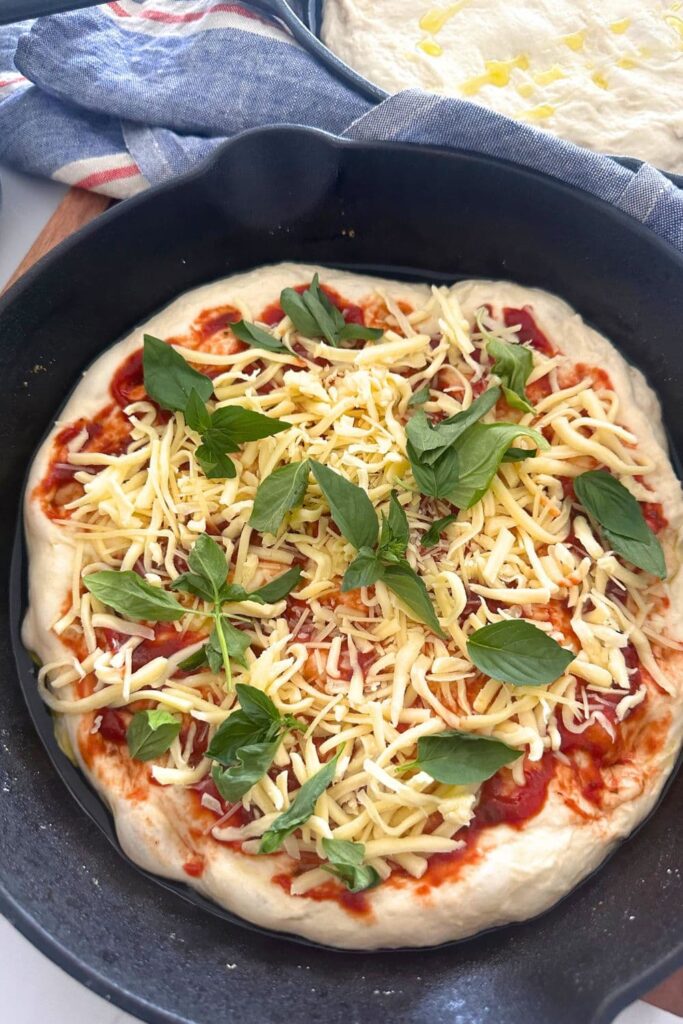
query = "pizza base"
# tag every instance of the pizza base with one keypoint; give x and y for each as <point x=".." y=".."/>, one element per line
<point x="517" y="873"/>
<point x="604" y="74"/>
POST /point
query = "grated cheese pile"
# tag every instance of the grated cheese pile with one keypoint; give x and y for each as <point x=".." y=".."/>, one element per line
<point x="357" y="667"/>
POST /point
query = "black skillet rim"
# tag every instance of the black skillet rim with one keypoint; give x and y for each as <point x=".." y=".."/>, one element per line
<point x="9" y="907"/>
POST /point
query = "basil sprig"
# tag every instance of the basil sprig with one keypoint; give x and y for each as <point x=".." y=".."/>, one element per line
<point x="458" y="458"/>
<point x="130" y="595"/>
<point x="619" y="518"/>
<point x="345" y="862"/>
<point x="518" y="653"/>
<point x="257" y="337"/>
<point x="151" y="733"/>
<point x="381" y="556"/>
<point x="301" y="808"/>
<point x="175" y="385"/>
<point x="207" y="579"/>
<point x="460" y="758"/>
<point x="224" y="431"/>
<point x="314" y="316"/>
<point x="245" y="744"/>
<point x="431" y="446"/>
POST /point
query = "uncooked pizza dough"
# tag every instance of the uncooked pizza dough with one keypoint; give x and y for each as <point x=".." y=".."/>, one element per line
<point x="118" y="486"/>
<point x="606" y="74"/>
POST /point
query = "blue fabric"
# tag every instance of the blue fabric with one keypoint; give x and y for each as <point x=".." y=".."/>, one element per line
<point x="150" y="87"/>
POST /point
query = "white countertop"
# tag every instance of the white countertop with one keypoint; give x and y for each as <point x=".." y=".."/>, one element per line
<point x="30" y="984"/>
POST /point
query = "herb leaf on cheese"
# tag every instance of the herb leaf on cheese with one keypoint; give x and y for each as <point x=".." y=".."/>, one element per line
<point x="480" y="452"/>
<point x="257" y="337"/>
<point x="432" y="536"/>
<point x="345" y="862"/>
<point x="314" y="316"/>
<point x="151" y="733"/>
<point x="227" y="429"/>
<point x="619" y="518"/>
<point x="419" y="397"/>
<point x="169" y="379"/>
<point x="280" y="492"/>
<point x="518" y="653"/>
<point x="131" y="596"/>
<point x="512" y="363"/>
<point x="301" y="808"/>
<point x="460" y="758"/>
<point x="244" y="746"/>
<point x="410" y="588"/>
<point x="349" y="505"/>
<point x="207" y="579"/>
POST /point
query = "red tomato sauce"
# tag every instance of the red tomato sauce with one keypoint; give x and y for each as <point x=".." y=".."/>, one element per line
<point x="167" y="642"/>
<point x="529" y="330"/>
<point x="107" y="434"/>
<point x="355" y="903"/>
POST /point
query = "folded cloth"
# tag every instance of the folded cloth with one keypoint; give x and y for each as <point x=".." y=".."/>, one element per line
<point x="132" y="93"/>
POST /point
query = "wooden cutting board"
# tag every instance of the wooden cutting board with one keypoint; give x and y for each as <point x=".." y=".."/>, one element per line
<point x="76" y="210"/>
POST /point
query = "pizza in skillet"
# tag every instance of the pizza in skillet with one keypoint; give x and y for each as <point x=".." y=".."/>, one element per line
<point x="358" y="601"/>
<point x="605" y="74"/>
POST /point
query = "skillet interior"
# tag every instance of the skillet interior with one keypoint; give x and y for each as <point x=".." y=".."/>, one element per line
<point x="296" y="194"/>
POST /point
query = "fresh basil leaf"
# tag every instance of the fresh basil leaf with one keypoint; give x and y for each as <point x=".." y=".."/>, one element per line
<point x="395" y="532"/>
<point x="312" y="313"/>
<point x="359" y="332"/>
<point x="480" y="452"/>
<point x="619" y="517"/>
<point x="215" y="463"/>
<point x="236" y="640"/>
<point x="461" y="758"/>
<point x="257" y="705"/>
<point x="195" y="661"/>
<point x="429" y="440"/>
<point x="131" y="596"/>
<point x="278" y="494"/>
<point x="518" y="653"/>
<point x="208" y="560"/>
<point x="349" y="505"/>
<point x="647" y="554"/>
<point x="169" y="379"/>
<point x="433" y="535"/>
<point x="419" y="397"/>
<point x="197" y="416"/>
<point x="257" y="337"/>
<point x="512" y="363"/>
<point x="151" y="733"/>
<point x="479" y="407"/>
<point x="191" y="583"/>
<point x="301" y="808"/>
<point x="365" y="570"/>
<point x="411" y="590"/>
<point x="328" y="318"/>
<point x="253" y="761"/>
<point x="255" y="721"/>
<point x="436" y="480"/>
<point x="519" y="454"/>
<point x="244" y="425"/>
<point x="278" y="588"/>
<point x="314" y="316"/>
<point x="346" y="863"/>
<point x="294" y="306"/>
<point x="231" y="593"/>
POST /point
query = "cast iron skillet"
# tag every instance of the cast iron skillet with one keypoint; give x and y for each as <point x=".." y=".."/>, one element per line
<point x="291" y="193"/>
<point x="304" y="20"/>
